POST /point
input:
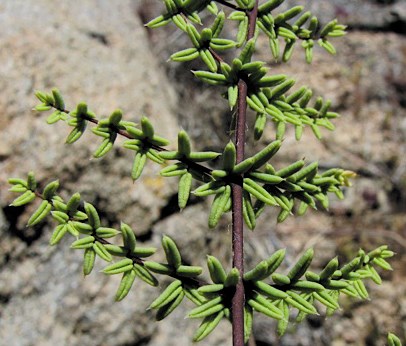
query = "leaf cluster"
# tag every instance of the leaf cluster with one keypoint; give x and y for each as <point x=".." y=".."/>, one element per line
<point x="263" y="185"/>
<point x="267" y="291"/>
<point x="292" y="189"/>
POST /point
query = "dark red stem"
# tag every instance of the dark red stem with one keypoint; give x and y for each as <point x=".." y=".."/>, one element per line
<point x="238" y="300"/>
<point x="227" y="4"/>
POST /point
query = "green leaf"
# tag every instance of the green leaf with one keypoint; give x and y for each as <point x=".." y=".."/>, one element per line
<point x="280" y="279"/>
<point x="50" y="189"/>
<point x="106" y="232"/>
<point x="89" y="257"/>
<point x="283" y="323"/>
<point x="189" y="271"/>
<point x="101" y="251"/>
<point x="93" y="216"/>
<point x="210" y="77"/>
<point x="40" y="214"/>
<point x="177" y="169"/>
<point x="59" y="103"/>
<point x="125" y="284"/>
<point x="247" y="51"/>
<point x="207" y="326"/>
<point x="208" y="289"/>
<point x="229" y="157"/>
<point x="208" y="59"/>
<point x="265" y="178"/>
<point x="128" y="237"/>
<point x="194" y="296"/>
<point x="307" y="172"/>
<point x="171" y="251"/>
<point x="218" y="206"/>
<point x="165" y="310"/>
<point x="291" y="169"/>
<point x="232" y="95"/>
<point x="147" y="128"/>
<point x="82" y="227"/>
<point x="270" y="291"/>
<point x="301" y="265"/>
<point x="232" y="279"/>
<point x="307" y="286"/>
<point x="105" y="147"/>
<point x="361" y="289"/>
<point x="185" y="55"/>
<point x="248" y="322"/>
<point x="217" y="272"/>
<point x="248" y="211"/>
<point x="60" y="216"/>
<point x="185" y="185"/>
<point x="83" y="243"/>
<point x="184" y="145"/>
<point x="329" y="269"/>
<point x="262" y="305"/>
<point x="327" y="45"/>
<point x="122" y="266"/>
<point x="58" y="234"/>
<point x="275" y="261"/>
<point x="263" y="156"/>
<point x="210" y="307"/>
<point x="77" y="132"/>
<point x="158" y="21"/>
<point x="25" y="198"/>
<point x="258" y="191"/>
<point x="73" y="203"/>
<point x="211" y="188"/>
<point x="145" y="275"/>
<point x="257" y="273"/>
<point x="300" y="303"/>
<point x="393" y="340"/>
<point x="382" y="263"/>
<point x="197" y="156"/>
<point x="18" y="181"/>
<point x="326" y="299"/>
<point x="159" y="268"/>
<point x="350" y="267"/>
<point x="144" y="251"/>
<point x="169" y="294"/>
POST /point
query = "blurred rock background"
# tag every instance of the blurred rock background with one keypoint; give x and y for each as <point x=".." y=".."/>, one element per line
<point x="98" y="51"/>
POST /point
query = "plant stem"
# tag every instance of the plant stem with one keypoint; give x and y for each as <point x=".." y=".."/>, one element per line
<point x="227" y="4"/>
<point x="238" y="300"/>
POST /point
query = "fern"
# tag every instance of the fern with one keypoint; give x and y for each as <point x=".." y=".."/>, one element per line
<point x="242" y="185"/>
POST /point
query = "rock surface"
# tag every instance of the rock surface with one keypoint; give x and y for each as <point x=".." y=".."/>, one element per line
<point x="99" y="52"/>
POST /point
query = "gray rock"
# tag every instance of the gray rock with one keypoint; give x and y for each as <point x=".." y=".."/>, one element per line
<point x="93" y="51"/>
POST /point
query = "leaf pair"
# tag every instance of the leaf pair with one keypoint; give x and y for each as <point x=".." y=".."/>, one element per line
<point x="108" y="129"/>
<point x="49" y="101"/>
<point x="146" y="145"/>
<point x="130" y="271"/>
<point x="79" y="118"/>
<point x="178" y="10"/>
<point x="185" y="168"/>
<point x="204" y="43"/>
<point x="27" y="188"/>
<point x="278" y="26"/>
<point x="215" y="306"/>
<point x="168" y="300"/>
<point x="174" y="266"/>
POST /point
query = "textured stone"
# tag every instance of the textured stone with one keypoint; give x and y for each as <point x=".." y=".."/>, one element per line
<point x="93" y="51"/>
